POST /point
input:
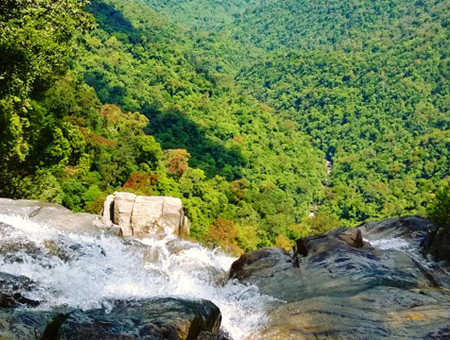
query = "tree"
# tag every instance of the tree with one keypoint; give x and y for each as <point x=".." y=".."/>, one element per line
<point x="37" y="38"/>
<point x="177" y="161"/>
<point x="439" y="208"/>
<point x="224" y="233"/>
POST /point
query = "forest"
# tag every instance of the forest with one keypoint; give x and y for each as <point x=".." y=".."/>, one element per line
<point x="236" y="107"/>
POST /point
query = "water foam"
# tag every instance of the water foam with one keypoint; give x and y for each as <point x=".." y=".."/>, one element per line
<point x="397" y="243"/>
<point x="85" y="271"/>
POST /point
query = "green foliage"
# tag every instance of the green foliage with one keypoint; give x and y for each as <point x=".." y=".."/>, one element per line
<point x="225" y="234"/>
<point x="43" y="186"/>
<point x="235" y="111"/>
<point x="439" y="208"/>
<point x="283" y="243"/>
<point x="368" y="81"/>
<point x="212" y="133"/>
<point x="37" y="39"/>
<point x="321" y="223"/>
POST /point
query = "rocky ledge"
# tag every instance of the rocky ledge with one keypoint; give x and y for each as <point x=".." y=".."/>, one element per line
<point x="56" y="215"/>
<point x="152" y="319"/>
<point x="381" y="280"/>
<point x="124" y="214"/>
<point x="370" y="282"/>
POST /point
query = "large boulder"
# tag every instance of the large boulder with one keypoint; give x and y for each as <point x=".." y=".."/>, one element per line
<point x="415" y="230"/>
<point x="152" y="319"/>
<point x="338" y="286"/>
<point x="439" y="248"/>
<point x="144" y="216"/>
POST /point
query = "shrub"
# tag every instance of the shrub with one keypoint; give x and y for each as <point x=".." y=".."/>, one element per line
<point x="283" y="243"/>
<point x="439" y="208"/>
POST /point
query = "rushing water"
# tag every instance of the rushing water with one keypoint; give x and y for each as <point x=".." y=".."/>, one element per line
<point x="397" y="243"/>
<point x="87" y="271"/>
<point x="400" y="244"/>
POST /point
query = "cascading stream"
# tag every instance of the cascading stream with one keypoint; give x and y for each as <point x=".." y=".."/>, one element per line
<point x="88" y="271"/>
<point x="400" y="244"/>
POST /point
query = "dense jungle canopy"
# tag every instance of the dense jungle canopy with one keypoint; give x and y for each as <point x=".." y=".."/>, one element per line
<point x="235" y="106"/>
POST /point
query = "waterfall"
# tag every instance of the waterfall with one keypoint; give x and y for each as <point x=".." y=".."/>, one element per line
<point x="88" y="271"/>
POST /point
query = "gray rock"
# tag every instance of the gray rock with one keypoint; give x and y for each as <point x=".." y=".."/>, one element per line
<point x="336" y="286"/>
<point x="18" y="324"/>
<point x="210" y="336"/>
<point x="416" y="230"/>
<point x="123" y="208"/>
<point x="152" y="319"/>
<point x="439" y="250"/>
<point x="52" y="214"/>
<point x="108" y="208"/>
<point x="376" y="313"/>
<point x="185" y="228"/>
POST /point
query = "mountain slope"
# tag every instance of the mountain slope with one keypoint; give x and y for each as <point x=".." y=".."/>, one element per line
<point x="368" y="81"/>
<point x="273" y="173"/>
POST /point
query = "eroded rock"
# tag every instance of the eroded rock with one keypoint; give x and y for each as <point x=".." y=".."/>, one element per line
<point x="18" y="324"/>
<point x="146" y="216"/>
<point x="151" y="319"/>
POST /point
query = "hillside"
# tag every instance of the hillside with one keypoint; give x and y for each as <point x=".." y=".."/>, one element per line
<point x="232" y="106"/>
<point x="247" y="178"/>
<point x="368" y="81"/>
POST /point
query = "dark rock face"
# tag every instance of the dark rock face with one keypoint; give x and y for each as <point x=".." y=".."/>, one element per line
<point x="439" y="249"/>
<point x="18" y="324"/>
<point x="417" y="231"/>
<point x="336" y="286"/>
<point x="160" y="318"/>
<point x="12" y="289"/>
<point x="152" y="319"/>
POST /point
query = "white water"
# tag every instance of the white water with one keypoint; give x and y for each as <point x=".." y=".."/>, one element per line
<point x="400" y="244"/>
<point x="390" y="243"/>
<point x="86" y="272"/>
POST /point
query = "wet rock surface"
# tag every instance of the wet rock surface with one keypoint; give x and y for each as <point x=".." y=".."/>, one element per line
<point x="22" y="317"/>
<point x="350" y="283"/>
<point x="158" y="318"/>
<point x="54" y="215"/>
<point x="21" y="324"/>
<point x="339" y="286"/>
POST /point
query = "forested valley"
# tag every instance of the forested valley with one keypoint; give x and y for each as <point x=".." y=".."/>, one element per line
<point x="271" y="120"/>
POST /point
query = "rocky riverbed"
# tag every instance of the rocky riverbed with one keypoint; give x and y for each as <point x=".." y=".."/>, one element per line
<point x="73" y="276"/>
